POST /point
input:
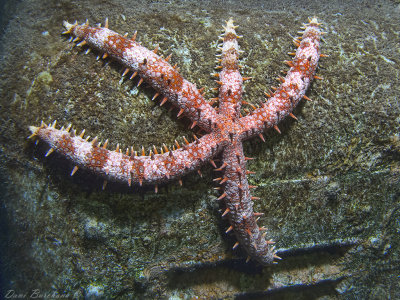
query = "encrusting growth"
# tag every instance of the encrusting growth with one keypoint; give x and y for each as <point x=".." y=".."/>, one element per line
<point x="224" y="129"/>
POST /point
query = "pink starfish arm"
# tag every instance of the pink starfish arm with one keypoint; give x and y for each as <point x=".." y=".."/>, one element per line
<point x="293" y="86"/>
<point x="230" y="91"/>
<point x="236" y="190"/>
<point x="152" y="68"/>
<point x="131" y="169"/>
<point x="239" y="206"/>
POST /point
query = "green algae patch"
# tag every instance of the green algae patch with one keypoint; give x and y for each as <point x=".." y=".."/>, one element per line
<point x="41" y="84"/>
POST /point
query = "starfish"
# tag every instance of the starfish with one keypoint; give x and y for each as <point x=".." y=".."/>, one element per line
<point x="225" y="128"/>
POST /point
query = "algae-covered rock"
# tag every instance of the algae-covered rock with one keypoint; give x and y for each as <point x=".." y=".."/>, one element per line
<point x="329" y="184"/>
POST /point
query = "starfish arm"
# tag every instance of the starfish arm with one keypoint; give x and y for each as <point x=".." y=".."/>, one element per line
<point x="293" y="87"/>
<point x="239" y="204"/>
<point x="230" y="91"/>
<point x="158" y="168"/>
<point x="152" y="68"/>
<point x="130" y="169"/>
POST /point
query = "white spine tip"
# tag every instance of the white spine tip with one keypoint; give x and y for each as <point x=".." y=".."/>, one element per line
<point x="33" y="130"/>
<point x="68" y="26"/>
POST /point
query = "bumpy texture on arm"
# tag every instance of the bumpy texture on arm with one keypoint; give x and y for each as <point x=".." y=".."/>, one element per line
<point x="152" y="68"/>
<point x="236" y="189"/>
<point x="131" y="169"/>
<point x="293" y="87"/>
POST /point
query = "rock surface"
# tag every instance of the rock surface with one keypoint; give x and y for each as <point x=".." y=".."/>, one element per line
<point x="329" y="184"/>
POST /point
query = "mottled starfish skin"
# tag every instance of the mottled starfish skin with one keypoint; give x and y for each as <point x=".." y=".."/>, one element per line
<point x="225" y="129"/>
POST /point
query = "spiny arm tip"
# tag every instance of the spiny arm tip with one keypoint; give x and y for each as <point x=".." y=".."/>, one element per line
<point x="68" y="26"/>
<point x="314" y="21"/>
<point x="33" y="129"/>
